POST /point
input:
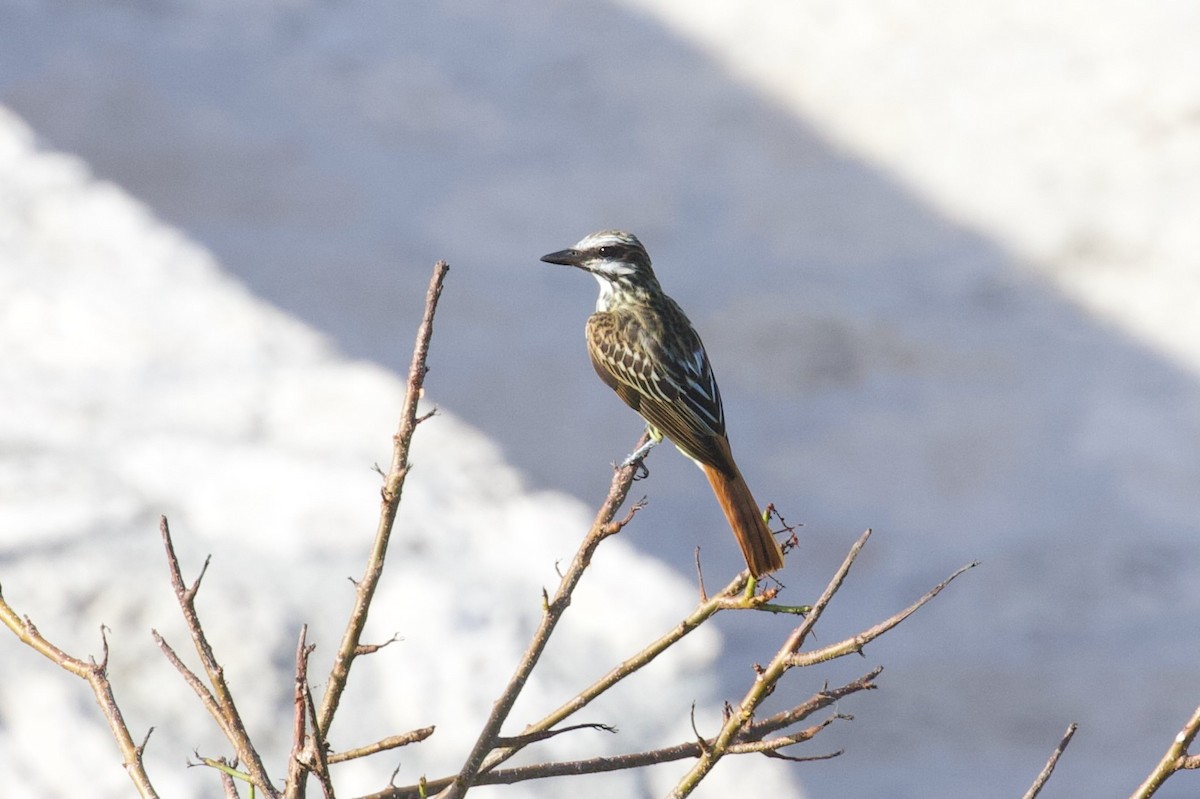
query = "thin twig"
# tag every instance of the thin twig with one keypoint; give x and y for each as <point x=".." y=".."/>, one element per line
<point x="383" y="745"/>
<point x="855" y="643"/>
<point x="1175" y="759"/>
<point x="824" y="699"/>
<point x="370" y="649"/>
<point x="772" y="745"/>
<point x="96" y="675"/>
<point x="1048" y="769"/>
<point x="195" y="683"/>
<point x="228" y="774"/>
<point x="393" y="486"/>
<point x="602" y="527"/>
<point x="318" y="751"/>
<point x="798" y="636"/>
<point x="226" y="714"/>
<point x="525" y="739"/>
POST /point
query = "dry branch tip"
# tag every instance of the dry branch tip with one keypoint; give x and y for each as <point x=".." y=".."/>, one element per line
<point x="542" y="735"/>
<point x="348" y="648"/>
<point x="614" y="527"/>
<point x="370" y="649"/>
<point x="1048" y="769"/>
<point x="102" y="666"/>
<point x="775" y="753"/>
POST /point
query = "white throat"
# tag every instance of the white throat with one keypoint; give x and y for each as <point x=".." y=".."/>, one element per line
<point x="603" y="302"/>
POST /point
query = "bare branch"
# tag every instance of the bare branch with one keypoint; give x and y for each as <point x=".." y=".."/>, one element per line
<point x="296" y="779"/>
<point x="1048" y="769"/>
<point x="855" y="644"/>
<point x="729" y="597"/>
<point x="220" y="702"/>
<point x="528" y="738"/>
<point x="552" y="612"/>
<point x="96" y="675"/>
<point x="1176" y="758"/>
<point x="766" y="679"/>
<point x="819" y="701"/>
<point x="614" y="527"/>
<point x="391" y="742"/>
<point x="195" y="683"/>
<point x="788" y="657"/>
<point x="700" y="575"/>
<point x="805" y="758"/>
<point x="227" y="772"/>
<point x="771" y="744"/>
<point x="393" y="487"/>
<point x="796" y="640"/>
<point x="228" y="783"/>
<point x="370" y="649"/>
<point x="317" y="751"/>
<point x="752" y="742"/>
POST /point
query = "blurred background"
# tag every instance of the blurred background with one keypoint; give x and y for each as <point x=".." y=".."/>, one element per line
<point x="942" y="256"/>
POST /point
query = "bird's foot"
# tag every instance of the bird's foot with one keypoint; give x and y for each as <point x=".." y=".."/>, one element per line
<point x="639" y="454"/>
<point x="642" y="472"/>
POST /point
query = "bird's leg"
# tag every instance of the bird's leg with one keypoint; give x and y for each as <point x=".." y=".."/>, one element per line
<point x="639" y="454"/>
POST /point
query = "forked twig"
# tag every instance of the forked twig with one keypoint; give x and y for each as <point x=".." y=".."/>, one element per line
<point x="96" y="675"/>
<point x="855" y="643"/>
<point x="788" y="657"/>
<point x="1175" y="759"/>
<point x="731" y="596"/>
<point x="219" y="701"/>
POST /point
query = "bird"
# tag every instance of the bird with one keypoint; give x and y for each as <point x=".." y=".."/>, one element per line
<point x="644" y="348"/>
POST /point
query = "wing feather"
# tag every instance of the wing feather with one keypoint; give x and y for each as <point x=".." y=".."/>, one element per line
<point x="658" y="366"/>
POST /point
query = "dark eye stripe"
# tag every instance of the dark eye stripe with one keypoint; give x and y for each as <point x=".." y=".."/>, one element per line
<point x="626" y="253"/>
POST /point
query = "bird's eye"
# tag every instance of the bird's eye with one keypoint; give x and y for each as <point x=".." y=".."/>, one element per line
<point x="608" y="251"/>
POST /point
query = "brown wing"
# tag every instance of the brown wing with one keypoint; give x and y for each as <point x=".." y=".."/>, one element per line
<point x="656" y="363"/>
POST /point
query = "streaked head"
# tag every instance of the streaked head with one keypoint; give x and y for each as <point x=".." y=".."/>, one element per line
<point x="616" y="258"/>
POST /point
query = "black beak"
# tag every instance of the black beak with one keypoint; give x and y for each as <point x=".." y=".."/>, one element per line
<point x="564" y="257"/>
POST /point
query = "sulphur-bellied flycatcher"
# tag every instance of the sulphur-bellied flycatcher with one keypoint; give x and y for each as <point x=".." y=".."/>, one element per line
<point x="643" y="346"/>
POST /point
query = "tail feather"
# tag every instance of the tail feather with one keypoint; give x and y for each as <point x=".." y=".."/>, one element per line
<point x="759" y="547"/>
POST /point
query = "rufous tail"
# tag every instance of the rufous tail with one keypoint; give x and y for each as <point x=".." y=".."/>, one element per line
<point x="759" y="547"/>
